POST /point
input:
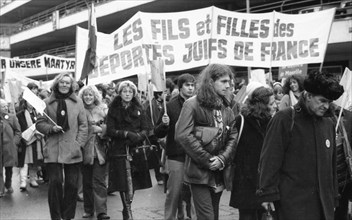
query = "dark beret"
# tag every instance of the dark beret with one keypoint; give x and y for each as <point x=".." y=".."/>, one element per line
<point x="320" y="83"/>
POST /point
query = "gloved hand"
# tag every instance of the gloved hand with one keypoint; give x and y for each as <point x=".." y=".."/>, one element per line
<point x="135" y="137"/>
<point x="121" y="134"/>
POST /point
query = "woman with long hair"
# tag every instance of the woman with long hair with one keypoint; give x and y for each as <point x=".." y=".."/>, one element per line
<point x="94" y="155"/>
<point x="65" y="126"/>
<point x="257" y="111"/>
<point x="293" y="88"/>
<point x="127" y="126"/>
<point x="204" y="115"/>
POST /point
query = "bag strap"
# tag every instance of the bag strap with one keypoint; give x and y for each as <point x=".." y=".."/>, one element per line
<point x="241" y="128"/>
<point x="292" y="118"/>
<point x="346" y="146"/>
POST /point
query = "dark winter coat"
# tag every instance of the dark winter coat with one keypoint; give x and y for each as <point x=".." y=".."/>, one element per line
<point x="134" y="119"/>
<point x="245" y="182"/>
<point x="197" y="160"/>
<point x="298" y="165"/>
<point x="174" y="150"/>
<point x="23" y="145"/>
<point x="11" y="136"/>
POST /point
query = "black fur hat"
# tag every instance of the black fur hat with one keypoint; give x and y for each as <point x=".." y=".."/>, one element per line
<point x="320" y="83"/>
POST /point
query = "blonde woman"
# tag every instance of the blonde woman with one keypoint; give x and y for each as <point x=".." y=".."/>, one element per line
<point x="94" y="155"/>
<point x="66" y="132"/>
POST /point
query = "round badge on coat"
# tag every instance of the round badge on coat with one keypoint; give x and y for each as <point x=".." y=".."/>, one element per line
<point x="63" y="112"/>
<point x="327" y="143"/>
<point x="6" y="117"/>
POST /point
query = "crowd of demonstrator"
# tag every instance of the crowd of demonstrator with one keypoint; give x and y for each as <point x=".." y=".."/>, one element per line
<point x="278" y="152"/>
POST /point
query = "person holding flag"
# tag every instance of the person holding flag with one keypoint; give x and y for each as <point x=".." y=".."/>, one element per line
<point x="64" y="123"/>
<point x="165" y="126"/>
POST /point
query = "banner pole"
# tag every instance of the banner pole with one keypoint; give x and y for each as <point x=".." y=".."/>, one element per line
<point x="164" y="102"/>
<point x="248" y="10"/>
<point x="52" y="121"/>
<point x="321" y="64"/>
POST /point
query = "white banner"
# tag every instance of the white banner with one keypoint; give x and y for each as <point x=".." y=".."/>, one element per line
<point x="43" y="65"/>
<point x="210" y="35"/>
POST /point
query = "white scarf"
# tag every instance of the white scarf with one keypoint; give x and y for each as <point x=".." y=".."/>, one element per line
<point x="293" y="98"/>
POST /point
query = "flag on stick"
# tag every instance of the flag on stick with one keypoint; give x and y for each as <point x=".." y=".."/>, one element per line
<point x="158" y="74"/>
<point x="158" y="78"/>
<point x="34" y="100"/>
<point x="90" y="57"/>
<point x="345" y="101"/>
<point x="143" y="82"/>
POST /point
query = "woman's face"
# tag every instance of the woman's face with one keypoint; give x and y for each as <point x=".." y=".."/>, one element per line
<point x="88" y="97"/>
<point x="127" y="94"/>
<point x="272" y="106"/>
<point x="65" y="85"/>
<point x="279" y="94"/>
<point x="294" y="85"/>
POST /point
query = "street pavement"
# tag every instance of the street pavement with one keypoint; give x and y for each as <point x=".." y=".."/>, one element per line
<point x="147" y="204"/>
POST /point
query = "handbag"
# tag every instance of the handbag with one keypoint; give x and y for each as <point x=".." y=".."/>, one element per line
<point x="267" y="215"/>
<point x="144" y="150"/>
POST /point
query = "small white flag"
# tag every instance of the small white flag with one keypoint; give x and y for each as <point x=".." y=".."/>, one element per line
<point x="34" y="100"/>
<point x="345" y="101"/>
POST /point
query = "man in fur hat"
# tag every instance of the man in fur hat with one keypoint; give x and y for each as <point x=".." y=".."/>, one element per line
<point x="298" y="160"/>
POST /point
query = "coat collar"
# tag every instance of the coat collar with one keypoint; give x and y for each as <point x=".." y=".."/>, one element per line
<point x="53" y="98"/>
<point x="302" y="106"/>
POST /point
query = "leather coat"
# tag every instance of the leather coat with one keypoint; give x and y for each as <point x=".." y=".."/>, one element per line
<point x="197" y="160"/>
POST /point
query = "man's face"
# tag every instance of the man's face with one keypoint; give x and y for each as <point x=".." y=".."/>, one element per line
<point x="318" y="104"/>
<point x="187" y="89"/>
<point x="222" y="85"/>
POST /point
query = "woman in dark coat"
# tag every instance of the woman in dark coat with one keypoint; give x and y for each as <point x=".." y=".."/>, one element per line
<point x="127" y="126"/>
<point x="256" y="114"/>
<point x="30" y="154"/>
<point x="10" y="138"/>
